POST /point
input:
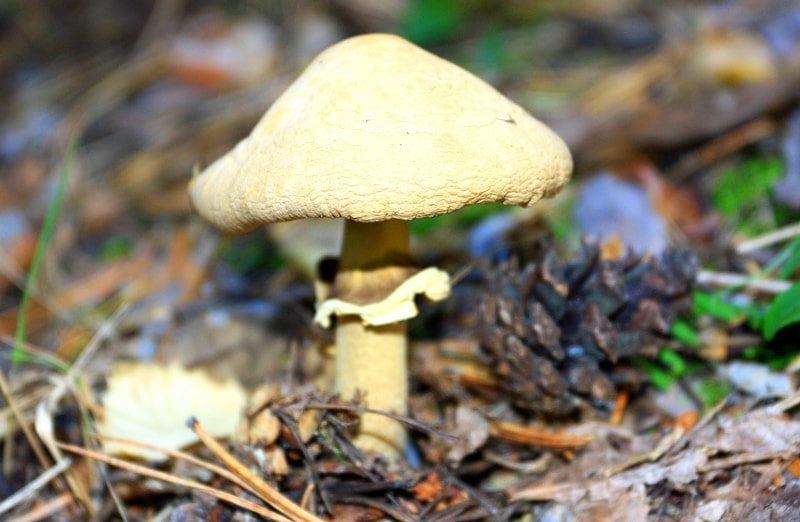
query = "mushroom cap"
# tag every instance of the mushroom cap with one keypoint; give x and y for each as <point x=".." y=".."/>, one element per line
<point x="374" y="129"/>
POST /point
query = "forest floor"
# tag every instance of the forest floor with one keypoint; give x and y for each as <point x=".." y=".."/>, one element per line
<point x="668" y="270"/>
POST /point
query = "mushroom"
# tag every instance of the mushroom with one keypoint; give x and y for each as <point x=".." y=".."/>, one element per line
<point x="379" y="132"/>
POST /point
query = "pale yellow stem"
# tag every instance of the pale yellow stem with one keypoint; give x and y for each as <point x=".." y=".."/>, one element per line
<point x="373" y="359"/>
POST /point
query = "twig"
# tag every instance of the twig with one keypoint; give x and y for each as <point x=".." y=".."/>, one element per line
<point x="531" y="467"/>
<point x="745" y="458"/>
<point x="35" y="485"/>
<point x="408" y="421"/>
<point x="724" y="279"/>
<point x="676" y="440"/>
<point x="23" y="403"/>
<point x="709" y="416"/>
<point x="723" y="146"/>
<point x="527" y="435"/>
<point x="104" y="332"/>
<point x="45" y="409"/>
<point x="307" y="458"/>
<point x="380" y="506"/>
<point x="620" y="404"/>
<point x="36" y="445"/>
<point x="160" y="23"/>
<point x="463" y="511"/>
<point x="46" y="510"/>
<point x="166" y="477"/>
<point x="268" y="493"/>
<point x="37" y="354"/>
<point x="786" y="404"/>
<point x="222" y="472"/>
<point x="479" y="497"/>
<point x="770" y="238"/>
<point x="22" y="317"/>
<point x="46" y="430"/>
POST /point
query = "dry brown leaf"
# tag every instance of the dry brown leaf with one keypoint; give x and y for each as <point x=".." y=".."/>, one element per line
<point x="687" y="420"/>
<point x="429" y="489"/>
<point x="472" y="430"/>
<point x="308" y="424"/>
<point x="262" y="396"/>
<point x="264" y="428"/>
<point x="278" y="464"/>
<point x="759" y="431"/>
<point x="794" y="467"/>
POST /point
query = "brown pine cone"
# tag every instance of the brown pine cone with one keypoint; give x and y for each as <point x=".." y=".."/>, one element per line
<point x="558" y="334"/>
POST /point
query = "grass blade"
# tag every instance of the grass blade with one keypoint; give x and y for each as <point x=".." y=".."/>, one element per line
<point x="48" y="228"/>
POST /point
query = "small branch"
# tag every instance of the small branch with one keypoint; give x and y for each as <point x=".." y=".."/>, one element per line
<point x="316" y="482"/>
<point x="725" y="279"/>
<point x="531" y="436"/>
<point x="172" y="479"/>
<point x="45" y="510"/>
<point x="176" y="454"/>
<point x="267" y="492"/>
<point x="408" y="421"/>
<point x="35" y="485"/>
<point x="770" y="238"/>
<point x="786" y="404"/>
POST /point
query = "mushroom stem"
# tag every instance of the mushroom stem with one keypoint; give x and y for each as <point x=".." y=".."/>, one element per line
<point x="373" y="359"/>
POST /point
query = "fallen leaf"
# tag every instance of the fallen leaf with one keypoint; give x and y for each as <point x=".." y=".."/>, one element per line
<point x="766" y="432"/>
<point x="151" y="403"/>
<point x="428" y="489"/>
<point x="472" y="430"/>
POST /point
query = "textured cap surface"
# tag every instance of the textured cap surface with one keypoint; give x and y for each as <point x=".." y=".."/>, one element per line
<point x="377" y="128"/>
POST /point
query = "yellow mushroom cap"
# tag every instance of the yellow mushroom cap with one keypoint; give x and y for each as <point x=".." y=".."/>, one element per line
<point x="377" y="128"/>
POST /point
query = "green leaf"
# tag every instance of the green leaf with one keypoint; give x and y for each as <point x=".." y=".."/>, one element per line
<point x="741" y="187"/>
<point x="783" y="311"/>
<point x="684" y="332"/>
<point x="673" y="360"/>
<point x="793" y="258"/>
<point x="716" y="305"/>
<point x="661" y="378"/>
<point x="712" y="391"/>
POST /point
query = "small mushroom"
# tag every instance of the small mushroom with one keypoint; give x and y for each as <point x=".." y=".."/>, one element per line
<point x="380" y="132"/>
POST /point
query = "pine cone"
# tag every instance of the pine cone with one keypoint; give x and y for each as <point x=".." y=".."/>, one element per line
<point x="558" y="334"/>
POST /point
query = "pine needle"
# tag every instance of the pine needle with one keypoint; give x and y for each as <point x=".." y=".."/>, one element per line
<point x="172" y="479"/>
